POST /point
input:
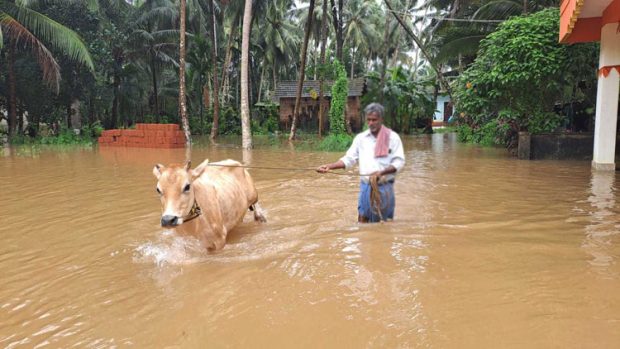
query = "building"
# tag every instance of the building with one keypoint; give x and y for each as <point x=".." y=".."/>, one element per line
<point x="592" y="21"/>
<point x="443" y="110"/>
<point x="308" y="121"/>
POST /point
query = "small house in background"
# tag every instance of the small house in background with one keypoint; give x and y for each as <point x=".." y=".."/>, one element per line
<point x="443" y="110"/>
<point x="308" y="121"/>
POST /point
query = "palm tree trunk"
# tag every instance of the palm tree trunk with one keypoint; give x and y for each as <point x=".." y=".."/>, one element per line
<point x="116" y="99"/>
<point x="384" y="58"/>
<point x="216" y="88"/>
<point x="417" y="52"/>
<point x="316" y="61"/>
<point x="456" y="6"/>
<point x="322" y="76"/>
<point x="228" y="58"/>
<point x="352" y="62"/>
<point x="12" y="95"/>
<point x="302" y="69"/>
<point x="525" y="6"/>
<point x="155" y="98"/>
<point x="415" y="38"/>
<point x="337" y="19"/>
<point x="202" y="104"/>
<point x="260" y="82"/>
<point x="246" y="132"/>
<point x="182" y="102"/>
<point x="116" y="83"/>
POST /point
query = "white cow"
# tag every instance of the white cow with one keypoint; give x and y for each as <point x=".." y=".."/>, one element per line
<point x="208" y="200"/>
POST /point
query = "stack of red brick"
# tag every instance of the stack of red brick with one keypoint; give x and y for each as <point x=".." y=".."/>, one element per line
<point x="145" y="136"/>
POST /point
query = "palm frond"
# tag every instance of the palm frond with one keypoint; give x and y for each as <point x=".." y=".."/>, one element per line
<point x="498" y="9"/>
<point x="467" y="45"/>
<point x="60" y="37"/>
<point x="141" y="35"/>
<point x="23" y="37"/>
<point x="162" y="13"/>
<point x="165" y="58"/>
<point x="92" y="5"/>
<point x="167" y="35"/>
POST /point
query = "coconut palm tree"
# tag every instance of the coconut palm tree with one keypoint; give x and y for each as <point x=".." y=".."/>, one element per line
<point x="302" y="70"/>
<point x="246" y="132"/>
<point x="454" y="40"/>
<point x="153" y="42"/>
<point x="216" y="87"/>
<point x="324" y="28"/>
<point x="337" y="18"/>
<point x="360" y="31"/>
<point x="182" y="101"/>
<point x="279" y="38"/>
<point x="31" y="31"/>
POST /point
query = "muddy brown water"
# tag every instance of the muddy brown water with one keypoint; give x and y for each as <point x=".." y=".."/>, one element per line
<point x="486" y="252"/>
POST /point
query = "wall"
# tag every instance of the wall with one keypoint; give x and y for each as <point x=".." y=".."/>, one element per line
<point x="562" y="146"/>
<point x="288" y="104"/>
<point x="145" y="136"/>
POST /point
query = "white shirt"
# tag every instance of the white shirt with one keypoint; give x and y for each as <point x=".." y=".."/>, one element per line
<point x="363" y="151"/>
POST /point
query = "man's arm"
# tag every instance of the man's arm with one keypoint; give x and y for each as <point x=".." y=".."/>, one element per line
<point x="328" y="167"/>
<point x="348" y="160"/>
<point x="386" y="171"/>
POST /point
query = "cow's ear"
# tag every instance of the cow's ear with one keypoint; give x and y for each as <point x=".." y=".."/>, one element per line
<point x="199" y="169"/>
<point x="157" y="169"/>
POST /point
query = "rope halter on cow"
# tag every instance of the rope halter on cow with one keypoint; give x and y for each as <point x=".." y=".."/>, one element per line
<point x="193" y="213"/>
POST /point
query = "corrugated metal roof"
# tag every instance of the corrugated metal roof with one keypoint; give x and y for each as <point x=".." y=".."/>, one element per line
<point x="288" y="88"/>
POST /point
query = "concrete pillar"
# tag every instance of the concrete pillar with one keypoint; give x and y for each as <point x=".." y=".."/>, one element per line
<point x="607" y="101"/>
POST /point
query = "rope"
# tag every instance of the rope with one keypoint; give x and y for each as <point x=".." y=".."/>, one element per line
<point x="288" y="169"/>
<point x="375" y="196"/>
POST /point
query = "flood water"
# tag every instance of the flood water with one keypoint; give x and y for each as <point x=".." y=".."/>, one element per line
<point x="486" y="251"/>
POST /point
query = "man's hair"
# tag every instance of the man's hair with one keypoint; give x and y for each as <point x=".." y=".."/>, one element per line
<point x="374" y="108"/>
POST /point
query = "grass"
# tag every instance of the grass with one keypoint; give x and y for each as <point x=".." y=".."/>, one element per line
<point x="445" y="129"/>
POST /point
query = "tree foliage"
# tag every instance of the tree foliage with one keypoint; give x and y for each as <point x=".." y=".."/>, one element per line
<point x="520" y="74"/>
<point x="407" y="99"/>
<point x="340" y="92"/>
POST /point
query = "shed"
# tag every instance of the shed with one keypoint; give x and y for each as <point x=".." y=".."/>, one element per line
<point x="308" y="121"/>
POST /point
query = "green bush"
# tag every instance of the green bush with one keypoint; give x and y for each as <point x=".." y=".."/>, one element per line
<point x="64" y="137"/>
<point x="408" y="106"/>
<point x="265" y="118"/>
<point x="163" y="119"/>
<point x="520" y="74"/>
<point x="485" y="135"/>
<point x="230" y="121"/>
<point x="340" y="92"/>
<point x="335" y="142"/>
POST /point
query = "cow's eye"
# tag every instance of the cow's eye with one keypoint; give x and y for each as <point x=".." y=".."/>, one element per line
<point x="186" y="188"/>
<point x="158" y="191"/>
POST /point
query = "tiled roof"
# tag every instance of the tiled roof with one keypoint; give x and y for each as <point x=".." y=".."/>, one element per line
<point x="288" y="88"/>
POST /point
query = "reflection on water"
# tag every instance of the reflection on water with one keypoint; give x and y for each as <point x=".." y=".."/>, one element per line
<point x="604" y="222"/>
<point x="485" y="251"/>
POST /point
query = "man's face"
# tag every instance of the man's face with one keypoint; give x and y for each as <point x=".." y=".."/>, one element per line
<point x="374" y="122"/>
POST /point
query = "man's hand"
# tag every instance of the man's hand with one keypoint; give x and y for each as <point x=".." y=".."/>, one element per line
<point x="323" y="169"/>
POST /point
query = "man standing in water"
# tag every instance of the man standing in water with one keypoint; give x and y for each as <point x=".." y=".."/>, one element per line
<point x="379" y="152"/>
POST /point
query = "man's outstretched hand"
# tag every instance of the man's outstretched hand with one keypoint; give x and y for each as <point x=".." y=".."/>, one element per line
<point x="323" y="169"/>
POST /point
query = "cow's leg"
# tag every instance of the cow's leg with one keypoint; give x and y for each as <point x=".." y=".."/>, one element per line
<point x="215" y="239"/>
<point x="258" y="213"/>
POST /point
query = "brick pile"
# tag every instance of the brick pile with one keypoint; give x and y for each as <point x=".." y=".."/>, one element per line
<point x="145" y="136"/>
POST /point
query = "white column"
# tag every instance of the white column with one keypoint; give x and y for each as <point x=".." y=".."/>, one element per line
<point x="607" y="101"/>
